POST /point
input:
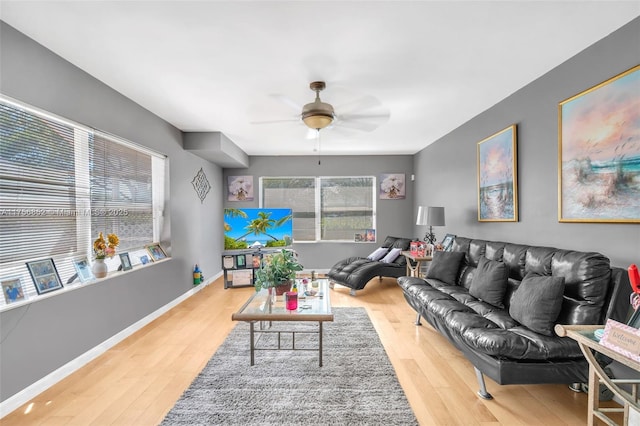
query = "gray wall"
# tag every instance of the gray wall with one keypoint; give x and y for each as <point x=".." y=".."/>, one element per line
<point x="394" y="217"/>
<point x="42" y="336"/>
<point x="446" y="170"/>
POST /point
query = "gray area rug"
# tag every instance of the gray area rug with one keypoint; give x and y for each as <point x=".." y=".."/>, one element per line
<point x="356" y="386"/>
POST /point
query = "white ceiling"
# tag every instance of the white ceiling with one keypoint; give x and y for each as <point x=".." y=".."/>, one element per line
<point x="216" y="65"/>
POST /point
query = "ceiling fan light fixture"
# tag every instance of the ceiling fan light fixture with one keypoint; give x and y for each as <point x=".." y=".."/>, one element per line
<point x="317" y="115"/>
<point x="317" y="120"/>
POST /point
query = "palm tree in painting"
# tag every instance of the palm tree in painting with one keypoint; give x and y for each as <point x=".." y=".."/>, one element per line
<point x="262" y="224"/>
<point x="233" y="213"/>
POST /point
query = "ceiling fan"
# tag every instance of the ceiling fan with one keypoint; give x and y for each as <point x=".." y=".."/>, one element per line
<point x="362" y="114"/>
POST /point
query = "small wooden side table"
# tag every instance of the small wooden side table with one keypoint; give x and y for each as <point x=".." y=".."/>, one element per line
<point x="413" y="270"/>
<point x="583" y="334"/>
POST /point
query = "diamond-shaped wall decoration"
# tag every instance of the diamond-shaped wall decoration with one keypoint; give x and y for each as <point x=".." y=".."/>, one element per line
<point x="201" y="185"/>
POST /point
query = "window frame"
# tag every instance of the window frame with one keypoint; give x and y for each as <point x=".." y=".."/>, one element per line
<point x="318" y="206"/>
<point x="82" y="137"/>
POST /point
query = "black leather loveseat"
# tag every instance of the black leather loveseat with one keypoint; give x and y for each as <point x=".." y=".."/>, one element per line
<point x="356" y="272"/>
<point x="498" y="302"/>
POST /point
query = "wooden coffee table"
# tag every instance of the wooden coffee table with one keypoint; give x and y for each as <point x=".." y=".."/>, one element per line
<point x="310" y="309"/>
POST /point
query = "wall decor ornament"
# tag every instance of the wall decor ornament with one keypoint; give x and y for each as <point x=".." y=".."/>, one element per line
<point x="599" y="152"/>
<point x="498" y="177"/>
<point x="201" y="185"/>
<point x="240" y="188"/>
<point x="392" y="186"/>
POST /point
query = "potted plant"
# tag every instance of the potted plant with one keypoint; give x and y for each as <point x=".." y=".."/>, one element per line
<point x="277" y="270"/>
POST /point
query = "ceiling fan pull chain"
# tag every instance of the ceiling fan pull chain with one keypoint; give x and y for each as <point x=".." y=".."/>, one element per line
<point x="318" y="130"/>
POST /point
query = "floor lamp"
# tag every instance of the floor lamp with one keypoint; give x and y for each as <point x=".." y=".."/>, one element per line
<point x="430" y="216"/>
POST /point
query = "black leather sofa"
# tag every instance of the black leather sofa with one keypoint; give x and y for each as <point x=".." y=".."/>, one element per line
<point x="582" y="287"/>
<point x="356" y="272"/>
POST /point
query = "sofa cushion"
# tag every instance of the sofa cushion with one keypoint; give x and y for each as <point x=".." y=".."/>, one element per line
<point x="378" y="253"/>
<point x="489" y="282"/>
<point x="537" y="302"/>
<point x="391" y="256"/>
<point x="445" y="265"/>
<point x="402" y="243"/>
<point x="388" y="242"/>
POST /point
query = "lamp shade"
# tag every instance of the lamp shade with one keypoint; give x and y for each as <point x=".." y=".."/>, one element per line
<point x="422" y="216"/>
<point x="435" y="216"/>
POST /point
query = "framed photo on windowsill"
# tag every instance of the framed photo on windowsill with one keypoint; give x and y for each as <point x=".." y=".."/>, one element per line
<point x="156" y="252"/>
<point x="85" y="274"/>
<point x="44" y="275"/>
<point x="125" y="261"/>
<point x="12" y="290"/>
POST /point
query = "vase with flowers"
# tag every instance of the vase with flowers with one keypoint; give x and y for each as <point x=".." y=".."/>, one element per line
<point x="103" y="248"/>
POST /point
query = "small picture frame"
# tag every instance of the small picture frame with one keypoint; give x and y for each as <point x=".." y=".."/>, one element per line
<point x="370" y="235"/>
<point x="447" y="242"/>
<point x="156" y="252"/>
<point x="12" y="290"/>
<point x="242" y="277"/>
<point x="228" y="262"/>
<point x="241" y="261"/>
<point x="85" y="274"/>
<point x="44" y="275"/>
<point x="125" y="261"/>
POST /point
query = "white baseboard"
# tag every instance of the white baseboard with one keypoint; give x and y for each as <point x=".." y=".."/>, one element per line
<point x="13" y="402"/>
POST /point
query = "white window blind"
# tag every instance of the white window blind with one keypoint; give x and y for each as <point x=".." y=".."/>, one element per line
<point x="62" y="183"/>
<point x="324" y="208"/>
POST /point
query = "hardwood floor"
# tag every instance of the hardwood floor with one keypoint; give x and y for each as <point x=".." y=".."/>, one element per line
<point x="138" y="381"/>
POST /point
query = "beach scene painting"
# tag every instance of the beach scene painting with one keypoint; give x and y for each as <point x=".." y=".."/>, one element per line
<point x="497" y="177"/>
<point x="599" y="152"/>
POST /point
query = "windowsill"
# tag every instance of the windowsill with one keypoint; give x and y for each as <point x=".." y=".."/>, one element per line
<point x="77" y="285"/>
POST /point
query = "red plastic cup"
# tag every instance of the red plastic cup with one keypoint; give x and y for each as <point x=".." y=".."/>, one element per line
<point x="291" y="300"/>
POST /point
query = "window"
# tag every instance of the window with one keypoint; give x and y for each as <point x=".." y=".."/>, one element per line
<point x="324" y="208"/>
<point x="61" y="183"/>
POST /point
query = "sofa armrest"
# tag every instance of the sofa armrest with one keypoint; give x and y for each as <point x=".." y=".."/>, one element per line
<point x="618" y="307"/>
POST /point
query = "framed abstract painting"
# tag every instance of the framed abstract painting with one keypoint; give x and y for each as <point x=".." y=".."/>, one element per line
<point x="498" y="177"/>
<point x="599" y="152"/>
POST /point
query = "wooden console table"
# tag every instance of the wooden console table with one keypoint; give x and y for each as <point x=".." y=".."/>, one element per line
<point x="414" y="270"/>
<point x="583" y="334"/>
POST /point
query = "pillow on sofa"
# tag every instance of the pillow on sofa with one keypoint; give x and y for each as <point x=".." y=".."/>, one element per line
<point x="445" y="265"/>
<point x="392" y="255"/>
<point x="489" y="281"/>
<point x="537" y="302"/>
<point x="378" y="253"/>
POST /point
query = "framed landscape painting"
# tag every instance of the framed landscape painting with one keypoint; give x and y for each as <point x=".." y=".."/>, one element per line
<point x="497" y="177"/>
<point x="599" y="152"/>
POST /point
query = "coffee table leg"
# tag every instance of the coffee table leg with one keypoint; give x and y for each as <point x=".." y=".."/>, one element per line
<point x="320" y="342"/>
<point x="251" y="342"/>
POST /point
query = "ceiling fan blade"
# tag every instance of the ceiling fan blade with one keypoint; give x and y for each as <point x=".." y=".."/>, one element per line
<point x="358" y="125"/>
<point x="287" y="101"/>
<point x="289" y="120"/>
<point x="361" y="104"/>
<point x="370" y="117"/>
